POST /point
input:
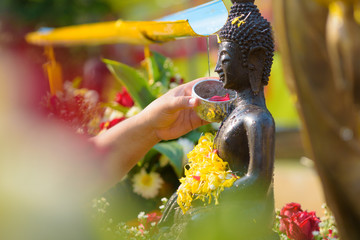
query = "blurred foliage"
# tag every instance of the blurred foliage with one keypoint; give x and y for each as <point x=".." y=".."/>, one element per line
<point x="54" y="12"/>
<point x="280" y="102"/>
<point x="57" y="13"/>
<point x="150" y="9"/>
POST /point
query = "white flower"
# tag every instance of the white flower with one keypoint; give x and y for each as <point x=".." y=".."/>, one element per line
<point x="115" y="114"/>
<point x="177" y="77"/>
<point x="187" y="146"/>
<point x="141" y="215"/>
<point x="92" y="97"/>
<point x="68" y="87"/>
<point x="107" y="112"/>
<point x="111" y="114"/>
<point x="315" y="233"/>
<point x="133" y="111"/>
<point x="146" y="184"/>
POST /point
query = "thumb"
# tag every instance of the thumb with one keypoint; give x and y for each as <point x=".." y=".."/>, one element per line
<point x="183" y="102"/>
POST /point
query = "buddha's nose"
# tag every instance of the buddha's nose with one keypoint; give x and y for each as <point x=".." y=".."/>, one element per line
<point x="218" y="68"/>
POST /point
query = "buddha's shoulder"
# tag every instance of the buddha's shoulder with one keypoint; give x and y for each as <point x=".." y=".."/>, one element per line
<point x="253" y="114"/>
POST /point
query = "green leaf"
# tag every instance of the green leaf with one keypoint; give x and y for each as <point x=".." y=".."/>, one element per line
<point x="174" y="152"/>
<point x="159" y="68"/>
<point x="116" y="107"/>
<point x="136" y="84"/>
<point x="161" y="74"/>
<point x="193" y="135"/>
<point x="149" y="157"/>
<point x="76" y="83"/>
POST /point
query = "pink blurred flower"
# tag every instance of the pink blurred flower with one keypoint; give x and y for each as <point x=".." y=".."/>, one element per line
<point x="153" y="217"/>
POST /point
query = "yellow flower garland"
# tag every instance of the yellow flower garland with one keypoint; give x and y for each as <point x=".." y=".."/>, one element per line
<point x="206" y="175"/>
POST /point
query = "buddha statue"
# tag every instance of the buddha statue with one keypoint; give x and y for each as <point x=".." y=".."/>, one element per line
<point x="245" y="138"/>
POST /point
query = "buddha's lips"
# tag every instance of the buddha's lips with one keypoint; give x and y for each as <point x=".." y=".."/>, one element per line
<point x="221" y="77"/>
<point x="220" y="98"/>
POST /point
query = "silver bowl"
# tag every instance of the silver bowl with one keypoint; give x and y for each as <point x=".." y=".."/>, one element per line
<point x="212" y="111"/>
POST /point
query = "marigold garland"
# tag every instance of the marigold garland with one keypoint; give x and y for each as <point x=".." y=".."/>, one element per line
<point x="206" y="175"/>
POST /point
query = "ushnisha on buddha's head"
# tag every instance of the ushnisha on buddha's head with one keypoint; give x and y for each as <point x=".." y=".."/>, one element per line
<point x="246" y="48"/>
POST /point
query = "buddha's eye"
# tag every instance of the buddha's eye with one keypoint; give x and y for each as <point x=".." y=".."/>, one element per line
<point x="225" y="58"/>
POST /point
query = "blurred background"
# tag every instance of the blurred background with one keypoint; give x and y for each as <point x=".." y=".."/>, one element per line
<point x="22" y="71"/>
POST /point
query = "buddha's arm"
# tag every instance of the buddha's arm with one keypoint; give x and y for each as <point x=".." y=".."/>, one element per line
<point x="260" y="130"/>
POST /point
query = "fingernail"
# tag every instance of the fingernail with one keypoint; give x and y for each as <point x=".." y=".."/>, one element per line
<point x="192" y="102"/>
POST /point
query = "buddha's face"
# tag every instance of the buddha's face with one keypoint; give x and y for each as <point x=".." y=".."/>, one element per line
<point x="229" y="67"/>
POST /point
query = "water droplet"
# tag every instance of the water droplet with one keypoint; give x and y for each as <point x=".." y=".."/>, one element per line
<point x="346" y="133"/>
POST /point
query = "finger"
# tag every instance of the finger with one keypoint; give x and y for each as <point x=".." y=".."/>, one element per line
<point x="188" y="86"/>
<point x="179" y="103"/>
<point x="196" y="121"/>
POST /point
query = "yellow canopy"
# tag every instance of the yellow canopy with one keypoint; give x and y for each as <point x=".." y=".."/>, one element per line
<point x="132" y="32"/>
<point x="202" y="20"/>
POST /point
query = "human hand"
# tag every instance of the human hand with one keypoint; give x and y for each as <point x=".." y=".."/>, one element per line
<point x="172" y="115"/>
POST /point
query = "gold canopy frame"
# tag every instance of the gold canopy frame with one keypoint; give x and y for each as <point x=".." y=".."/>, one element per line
<point x="199" y="21"/>
<point x="131" y="32"/>
<point x="208" y="18"/>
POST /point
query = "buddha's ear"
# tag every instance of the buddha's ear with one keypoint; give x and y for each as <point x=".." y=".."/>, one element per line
<point x="256" y="63"/>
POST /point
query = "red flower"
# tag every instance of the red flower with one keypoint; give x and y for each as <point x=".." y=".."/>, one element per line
<point x="290" y="209"/>
<point x="54" y="101"/>
<point x="331" y="234"/>
<point x="287" y="212"/>
<point x="153" y="217"/>
<point x="110" y="124"/>
<point x="123" y="98"/>
<point x="196" y="177"/>
<point x="176" y="80"/>
<point x="298" y="224"/>
<point x="116" y="121"/>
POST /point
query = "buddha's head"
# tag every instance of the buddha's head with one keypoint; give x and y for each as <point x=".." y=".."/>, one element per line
<point x="246" y="48"/>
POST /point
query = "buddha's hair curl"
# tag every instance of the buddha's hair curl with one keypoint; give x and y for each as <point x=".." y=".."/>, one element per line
<point x="246" y="27"/>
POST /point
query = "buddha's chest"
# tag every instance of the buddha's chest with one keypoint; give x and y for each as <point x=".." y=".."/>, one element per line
<point x="231" y="142"/>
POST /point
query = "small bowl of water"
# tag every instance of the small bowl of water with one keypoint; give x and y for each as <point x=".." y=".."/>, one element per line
<point x="215" y="100"/>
